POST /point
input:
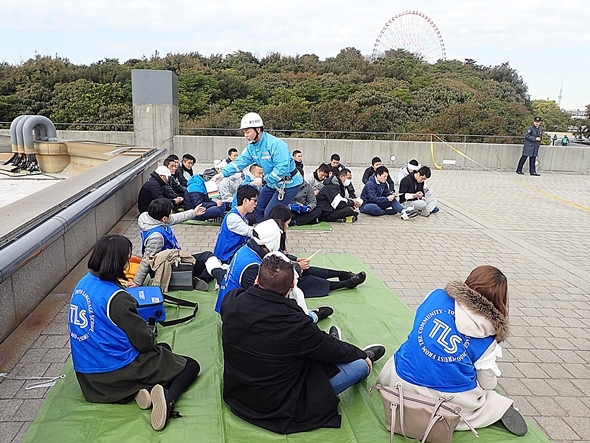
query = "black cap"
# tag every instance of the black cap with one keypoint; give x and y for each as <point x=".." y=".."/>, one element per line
<point x="538" y="119"/>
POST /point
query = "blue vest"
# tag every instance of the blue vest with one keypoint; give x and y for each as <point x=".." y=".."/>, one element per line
<point x="170" y="241"/>
<point x="98" y="345"/>
<point x="229" y="242"/>
<point x="436" y="355"/>
<point x="233" y="277"/>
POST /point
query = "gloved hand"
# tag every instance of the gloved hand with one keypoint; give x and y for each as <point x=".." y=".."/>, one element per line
<point x="256" y="182"/>
<point x="295" y="207"/>
<point x="305" y="208"/>
<point x="217" y="178"/>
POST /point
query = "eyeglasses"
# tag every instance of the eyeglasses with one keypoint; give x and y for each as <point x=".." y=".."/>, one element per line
<point x="253" y="199"/>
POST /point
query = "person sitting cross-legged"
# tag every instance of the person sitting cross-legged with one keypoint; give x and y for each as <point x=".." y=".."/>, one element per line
<point x="412" y="193"/>
<point x="196" y="194"/>
<point x="375" y="163"/>
<point x="304" y="207"/>
<point x="331" y="200"/>
<point x="316" y="180"/>
<point x="285" y="374"/>
<point x="235" y="229"/>
<point x="156" y="235"/>
<point x="379" y="200"/>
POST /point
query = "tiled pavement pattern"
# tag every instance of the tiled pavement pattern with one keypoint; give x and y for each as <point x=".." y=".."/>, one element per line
<point x="541" y="243"/>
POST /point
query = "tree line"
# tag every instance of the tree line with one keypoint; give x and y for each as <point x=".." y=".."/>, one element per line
<point x="296" y="95"/>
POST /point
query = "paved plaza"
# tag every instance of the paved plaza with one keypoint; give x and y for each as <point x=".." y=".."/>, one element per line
<point x="535" y="229"/>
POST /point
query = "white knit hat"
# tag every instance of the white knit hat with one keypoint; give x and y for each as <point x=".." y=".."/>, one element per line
<point x="163" y="170"/>
<point x="268" y="234"/>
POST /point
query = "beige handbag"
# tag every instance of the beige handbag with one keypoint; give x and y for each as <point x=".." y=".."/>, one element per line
<point x="416" y="416"/>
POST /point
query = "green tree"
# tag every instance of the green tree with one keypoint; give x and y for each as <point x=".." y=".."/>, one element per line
<point x="82" y="101"/>
<point x="554" y="119"/>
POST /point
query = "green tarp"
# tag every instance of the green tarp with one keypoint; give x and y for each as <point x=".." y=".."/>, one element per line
<point x="368" y="314"/>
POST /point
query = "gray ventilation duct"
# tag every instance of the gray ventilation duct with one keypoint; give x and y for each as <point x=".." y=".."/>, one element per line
<point x="14" y="160"/>
<point x="22" y="141"/>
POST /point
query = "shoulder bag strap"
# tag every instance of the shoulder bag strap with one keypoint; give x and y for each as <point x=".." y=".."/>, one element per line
<point x="180" y="302"/>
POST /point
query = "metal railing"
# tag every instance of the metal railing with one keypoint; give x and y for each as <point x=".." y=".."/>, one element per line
<point x="302" y="133"/>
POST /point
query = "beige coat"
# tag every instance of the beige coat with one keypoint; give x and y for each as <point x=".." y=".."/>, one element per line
<point x="482" y="405"/>
<point x="162" y="263"/>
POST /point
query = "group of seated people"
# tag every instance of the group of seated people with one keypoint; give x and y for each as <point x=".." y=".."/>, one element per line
<point x="281" y="372"/>
<point x="325" y="195"/>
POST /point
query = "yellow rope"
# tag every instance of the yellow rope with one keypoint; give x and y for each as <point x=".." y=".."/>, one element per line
<point x="531" y="188"/>
<point x="432" y="154"/>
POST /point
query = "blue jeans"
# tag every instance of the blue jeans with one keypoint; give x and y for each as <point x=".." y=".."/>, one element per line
<point x="269" y="198"/>
<point x="211" y="212"/>
<point x="350" y="374"/>
<point x="375" y="209"/>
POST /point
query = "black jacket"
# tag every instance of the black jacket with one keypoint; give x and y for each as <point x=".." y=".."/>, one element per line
<point x="332" y="188"/>
<point x="152" y="189"/>
<point x="409" y="185"/>
<point x="278" y="363"/>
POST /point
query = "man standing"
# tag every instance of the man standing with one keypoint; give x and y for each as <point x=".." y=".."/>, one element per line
<point x="285" y="374"/>
<point x="532" y="141"/>
<point x="281" y="179"/>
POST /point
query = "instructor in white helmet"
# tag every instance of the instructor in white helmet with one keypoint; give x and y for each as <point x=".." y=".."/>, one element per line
<point x="281" y="180"/>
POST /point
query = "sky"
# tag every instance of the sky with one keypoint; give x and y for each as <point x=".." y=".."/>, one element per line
<point x="546" y="41"/>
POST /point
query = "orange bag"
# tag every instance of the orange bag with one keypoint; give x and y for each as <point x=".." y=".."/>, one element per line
<point x="134" y="262"/>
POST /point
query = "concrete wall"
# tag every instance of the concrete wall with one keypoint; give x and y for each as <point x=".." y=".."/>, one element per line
<point x="23" y="291"/>
<point x="360" y="152"/>
<point x="117" y="137"/>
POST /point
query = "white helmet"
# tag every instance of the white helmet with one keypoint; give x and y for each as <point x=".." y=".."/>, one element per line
<point x="251" y="120"/>
<point x="268" y="234"/>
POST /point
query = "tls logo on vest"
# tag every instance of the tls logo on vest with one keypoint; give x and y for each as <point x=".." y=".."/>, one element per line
<point x="78" y="316"/>
<point x="443" y="330"/>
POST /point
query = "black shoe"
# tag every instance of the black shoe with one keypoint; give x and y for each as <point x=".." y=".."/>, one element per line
<point x="335" y="332"/>
<point x="357" y="279"/>
<point x="200" y="285"/>
<point x="374" y="352"/>
<point x="162" y="407"/>
<point x="520" y="172"/>
<point x="323" y="312"/>
<point x="348" y="275"/>
<point x="514" y="422"/>
<point x="534" y="173"/>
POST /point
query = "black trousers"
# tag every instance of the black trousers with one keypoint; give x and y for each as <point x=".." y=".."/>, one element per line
<point x="532" y="161"/>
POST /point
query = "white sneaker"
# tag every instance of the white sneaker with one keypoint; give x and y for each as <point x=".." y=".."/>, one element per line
<point x="409" y="213"/>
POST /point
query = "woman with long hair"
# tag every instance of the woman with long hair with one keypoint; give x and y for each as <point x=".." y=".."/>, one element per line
<point x="452" y="348"/>
<point x="115" y="354"/>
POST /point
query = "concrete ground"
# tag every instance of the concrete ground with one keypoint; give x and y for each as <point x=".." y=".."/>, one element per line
<point x="535" y="229"/>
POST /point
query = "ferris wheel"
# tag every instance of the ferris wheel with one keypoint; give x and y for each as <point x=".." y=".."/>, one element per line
<point x="414" y="32"/>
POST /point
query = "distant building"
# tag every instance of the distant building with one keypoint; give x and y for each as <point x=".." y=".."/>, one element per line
<point x="576" y="113"/>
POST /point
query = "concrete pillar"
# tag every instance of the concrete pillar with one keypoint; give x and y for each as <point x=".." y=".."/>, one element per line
<point x="155" y="108"/>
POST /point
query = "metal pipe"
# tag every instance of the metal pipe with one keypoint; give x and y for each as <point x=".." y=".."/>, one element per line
<point x="28" y="246"/>
<point x="28" y="126"/>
